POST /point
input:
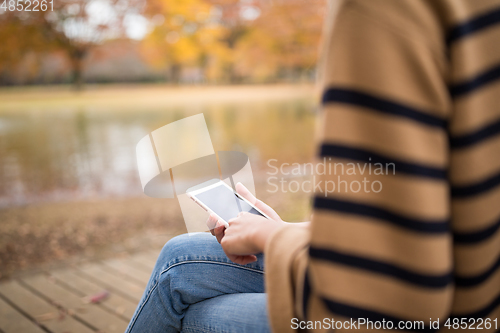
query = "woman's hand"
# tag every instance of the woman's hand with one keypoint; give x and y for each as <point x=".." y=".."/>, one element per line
<point x="218" y="229"/>
<point x="248" y="233"/>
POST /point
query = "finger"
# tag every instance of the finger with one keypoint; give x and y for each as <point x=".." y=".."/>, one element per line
<point x="220" y="236"/>
<point x="210" y="226"/>
<point x="219" y="231"/>
<point x="211" y="223"/>
<point x="245" y="193"/>
<point x="242" y="260"/>
<point x="246" y="259"/>
<point x="234" y="219"/>
<point x="267" y="210"/>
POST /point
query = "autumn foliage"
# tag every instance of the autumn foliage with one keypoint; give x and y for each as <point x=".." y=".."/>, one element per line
<point x="201" y="41"/>
<point x="231" y="40"/>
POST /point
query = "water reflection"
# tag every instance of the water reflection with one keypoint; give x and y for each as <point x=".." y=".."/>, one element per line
<point x="74" y="154"/>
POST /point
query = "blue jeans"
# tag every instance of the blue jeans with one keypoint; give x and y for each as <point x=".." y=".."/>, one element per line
<point x="194" y="287"/>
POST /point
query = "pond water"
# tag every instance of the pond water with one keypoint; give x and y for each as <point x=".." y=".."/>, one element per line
<point x="86" y="153"/>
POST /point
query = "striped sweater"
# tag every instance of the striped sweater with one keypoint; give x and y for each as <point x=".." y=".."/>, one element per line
<point x="415" y="83"/>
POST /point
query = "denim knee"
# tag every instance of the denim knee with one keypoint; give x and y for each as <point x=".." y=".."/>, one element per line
<point x="183" y="248"/>
<point x="174" y="249"/>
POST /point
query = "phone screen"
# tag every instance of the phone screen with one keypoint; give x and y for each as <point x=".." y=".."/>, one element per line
<point x="225" y="203"/>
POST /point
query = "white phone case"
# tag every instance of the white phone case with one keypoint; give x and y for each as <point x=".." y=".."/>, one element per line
<point x="192" y="194"/>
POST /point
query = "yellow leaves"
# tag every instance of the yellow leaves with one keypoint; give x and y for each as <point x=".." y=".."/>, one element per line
<point x="185" y="51"/>
<point x="181" y="11"/>
<point x="214" y="35"/>
<point x="185" y="36"/>
<point x="256" y="55"/>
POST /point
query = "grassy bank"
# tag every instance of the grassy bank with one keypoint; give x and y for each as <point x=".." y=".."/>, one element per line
<point x="150" y="96"/>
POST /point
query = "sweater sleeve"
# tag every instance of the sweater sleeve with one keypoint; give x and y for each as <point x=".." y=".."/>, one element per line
<point x="379" y="247"/>
<point x="285" y="262"/>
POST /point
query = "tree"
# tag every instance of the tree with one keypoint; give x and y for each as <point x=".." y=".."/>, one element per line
<point x="234" y="40"/>
<point x="74" y="26"/>
<point x="186" y="33"/>
<point x="282" y="41"/>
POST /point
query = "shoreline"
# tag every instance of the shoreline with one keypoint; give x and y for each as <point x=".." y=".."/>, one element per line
<point x="121" y="97"/>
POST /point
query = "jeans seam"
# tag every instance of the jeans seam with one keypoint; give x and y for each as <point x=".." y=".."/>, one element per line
<point x="180" y="263"/>
<point x="212" y="262"/>
<point x="199" y="328"/>
<point x="142" y="305"/>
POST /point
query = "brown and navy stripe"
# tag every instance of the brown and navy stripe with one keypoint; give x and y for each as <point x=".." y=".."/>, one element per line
<point x="438" y="244"/>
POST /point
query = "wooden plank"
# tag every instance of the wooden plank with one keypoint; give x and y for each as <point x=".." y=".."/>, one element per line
<point x="130" y="270"/>
<point x="130" y="262"/>
<point x="122" y="275"/>
<point x="91" y="314"/>
<point x="40" y="310"/>
<point x="147" y="259"/>
<point x="112" y="282"/>
<point x="153" y="254"/>
<point x="12" y="321"/>
<point x="84" y="287"/>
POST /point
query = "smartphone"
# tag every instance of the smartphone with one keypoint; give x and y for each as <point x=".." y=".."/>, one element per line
<point x="221" y="200"/>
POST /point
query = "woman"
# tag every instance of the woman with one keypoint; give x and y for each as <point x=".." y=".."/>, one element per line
<point x="196" y="287"/>
<point x="412" y="83"/>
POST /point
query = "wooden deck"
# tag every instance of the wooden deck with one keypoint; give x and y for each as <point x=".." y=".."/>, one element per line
<point x="57" y="301"/>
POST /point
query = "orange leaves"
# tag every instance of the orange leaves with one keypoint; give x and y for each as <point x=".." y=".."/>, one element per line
<point x="231" y="39"/>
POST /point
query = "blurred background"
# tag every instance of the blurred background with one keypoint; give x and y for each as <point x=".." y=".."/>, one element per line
<point x="83" y="81"/>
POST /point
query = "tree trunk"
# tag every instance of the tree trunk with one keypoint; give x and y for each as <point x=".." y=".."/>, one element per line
<point x="77" y="57"/>
<point x="175" y="74"/>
